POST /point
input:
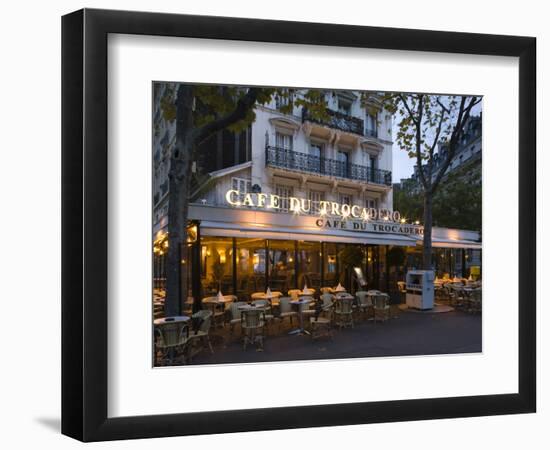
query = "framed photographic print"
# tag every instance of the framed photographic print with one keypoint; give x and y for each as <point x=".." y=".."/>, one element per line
<point x="273" y="224"/>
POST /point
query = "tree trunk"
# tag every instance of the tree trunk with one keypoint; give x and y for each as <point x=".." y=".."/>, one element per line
<point x="178" y="202"/>
<point x="427" y="242"/>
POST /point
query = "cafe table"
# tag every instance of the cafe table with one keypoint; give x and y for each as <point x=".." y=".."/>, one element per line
<point x="171" y="319"/>
<point x="300" y="303"/>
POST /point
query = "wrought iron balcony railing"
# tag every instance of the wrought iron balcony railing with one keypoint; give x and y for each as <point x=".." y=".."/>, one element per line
<point x="302" y="162"/>
<point x="337" y="120"/>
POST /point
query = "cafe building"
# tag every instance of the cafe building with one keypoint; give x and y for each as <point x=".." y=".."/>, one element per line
<point x="293" y="202"/>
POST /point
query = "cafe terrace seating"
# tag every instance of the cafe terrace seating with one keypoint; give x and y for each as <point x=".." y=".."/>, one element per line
<point x="200" y="337"/>
<point x="217" y="308"/>
<point x="265" y="305"/>
<point x="172" y="338"/>
<point x="235" y="315"/>
<point x="364" y="304"/>
<point x="286" y="310"/>
<point x="321" y="322"/>
<point x="253" y="324"/>
<point x="343" y="311"/>
<point x="381" y="307"/>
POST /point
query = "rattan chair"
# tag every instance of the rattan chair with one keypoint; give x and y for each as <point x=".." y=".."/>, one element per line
<point x="200" y="338"/>
<point x="320" y="326"/>
<point x="253" y="324"/>
<point x="234" y="315"/>
<point x="364" y="303"/>
<point x="328" y="300"/>
<point x="285" y="310"/>
<point x="268" y="312"/>
<point x="305" y="308"/>
<point x="216" y="308"/>
<point x="475" y="302"/>
<point x="402" y="288"/>
<point x="343" y="311"/>
<point x="173" y="337"/>
<point x="381" y="307"/>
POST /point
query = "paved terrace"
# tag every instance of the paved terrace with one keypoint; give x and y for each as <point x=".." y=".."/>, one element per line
<point x="406" y="333"/>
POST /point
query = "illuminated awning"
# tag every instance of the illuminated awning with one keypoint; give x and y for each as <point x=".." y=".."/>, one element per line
<point x="453" y="243"/>
<point x="225" y="229"/>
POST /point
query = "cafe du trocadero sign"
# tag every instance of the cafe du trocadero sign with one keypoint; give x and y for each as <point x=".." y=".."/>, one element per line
<point x="331" y="215"/>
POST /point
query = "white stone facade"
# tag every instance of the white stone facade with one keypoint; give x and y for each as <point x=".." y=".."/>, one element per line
<point x="294" y="156"/>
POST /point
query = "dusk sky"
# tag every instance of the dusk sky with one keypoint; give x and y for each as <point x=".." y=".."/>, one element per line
<point x="403" y="165"/>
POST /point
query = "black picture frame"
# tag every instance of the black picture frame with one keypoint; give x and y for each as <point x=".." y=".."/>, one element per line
<point x="84" y="224"/>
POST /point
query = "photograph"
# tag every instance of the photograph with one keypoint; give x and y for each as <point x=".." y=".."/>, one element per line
<point x="306" y="223"/>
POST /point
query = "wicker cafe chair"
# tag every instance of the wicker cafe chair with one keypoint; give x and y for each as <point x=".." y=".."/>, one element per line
<point x="253" y="324"/>
<point x="456" y="294"/>
<point x="402" y="288"/>
<point x="234" y="315"/>
<point x="305" y="308"/>
<point x="173" y="337"/>
<point x="200" y="338"/>
<point x="321" y="322"/>
<point x="343" y="312"/>
<point x="381" y="307"/>
<point x="285" y="310"/>
<point x="216" y="308"/>
<point x="328" y="300"/>
<point x="475" y="302"/>
<point x="265" y="305"/>
<point x="364" y="303"/>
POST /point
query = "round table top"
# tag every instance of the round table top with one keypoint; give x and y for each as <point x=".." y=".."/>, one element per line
<point x="373" y="293"/>
<point x="216" y="299"/>
<point x="172" y="319"/>
<point x="301" y="301"/>
<point x="307" y="292"/>
<point x="264" y="296"/>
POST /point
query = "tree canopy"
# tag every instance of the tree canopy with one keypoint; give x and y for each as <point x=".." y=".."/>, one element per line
<point x="456" y="204"/>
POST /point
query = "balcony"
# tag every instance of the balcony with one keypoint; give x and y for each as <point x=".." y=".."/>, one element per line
<point x="338" y="120"/>
<point x="302" y="162"/>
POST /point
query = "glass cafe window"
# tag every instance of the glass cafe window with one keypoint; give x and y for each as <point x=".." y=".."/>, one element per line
<point x="315" y="152"/>
<point x="370" y="202"/>
<point x="284" y="192"/>
<point x="309" y="264"/>
<point x="283" y="141"/>
<point x="330" y="264"/>
<point x="344" y="106"/>
<point x="371" y="124"/>
<point x="216" y="265"/>
<point x="345" y="199"/>
<point x="281" y="265"/>
<point x="251" y="266"/>
<point x="316" y="197"/>
<point x="242" y="185"/>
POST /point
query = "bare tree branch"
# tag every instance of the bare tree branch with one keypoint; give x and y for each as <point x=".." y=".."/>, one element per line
<point x="244" y="104"/>
<point x="411" y="115"/>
